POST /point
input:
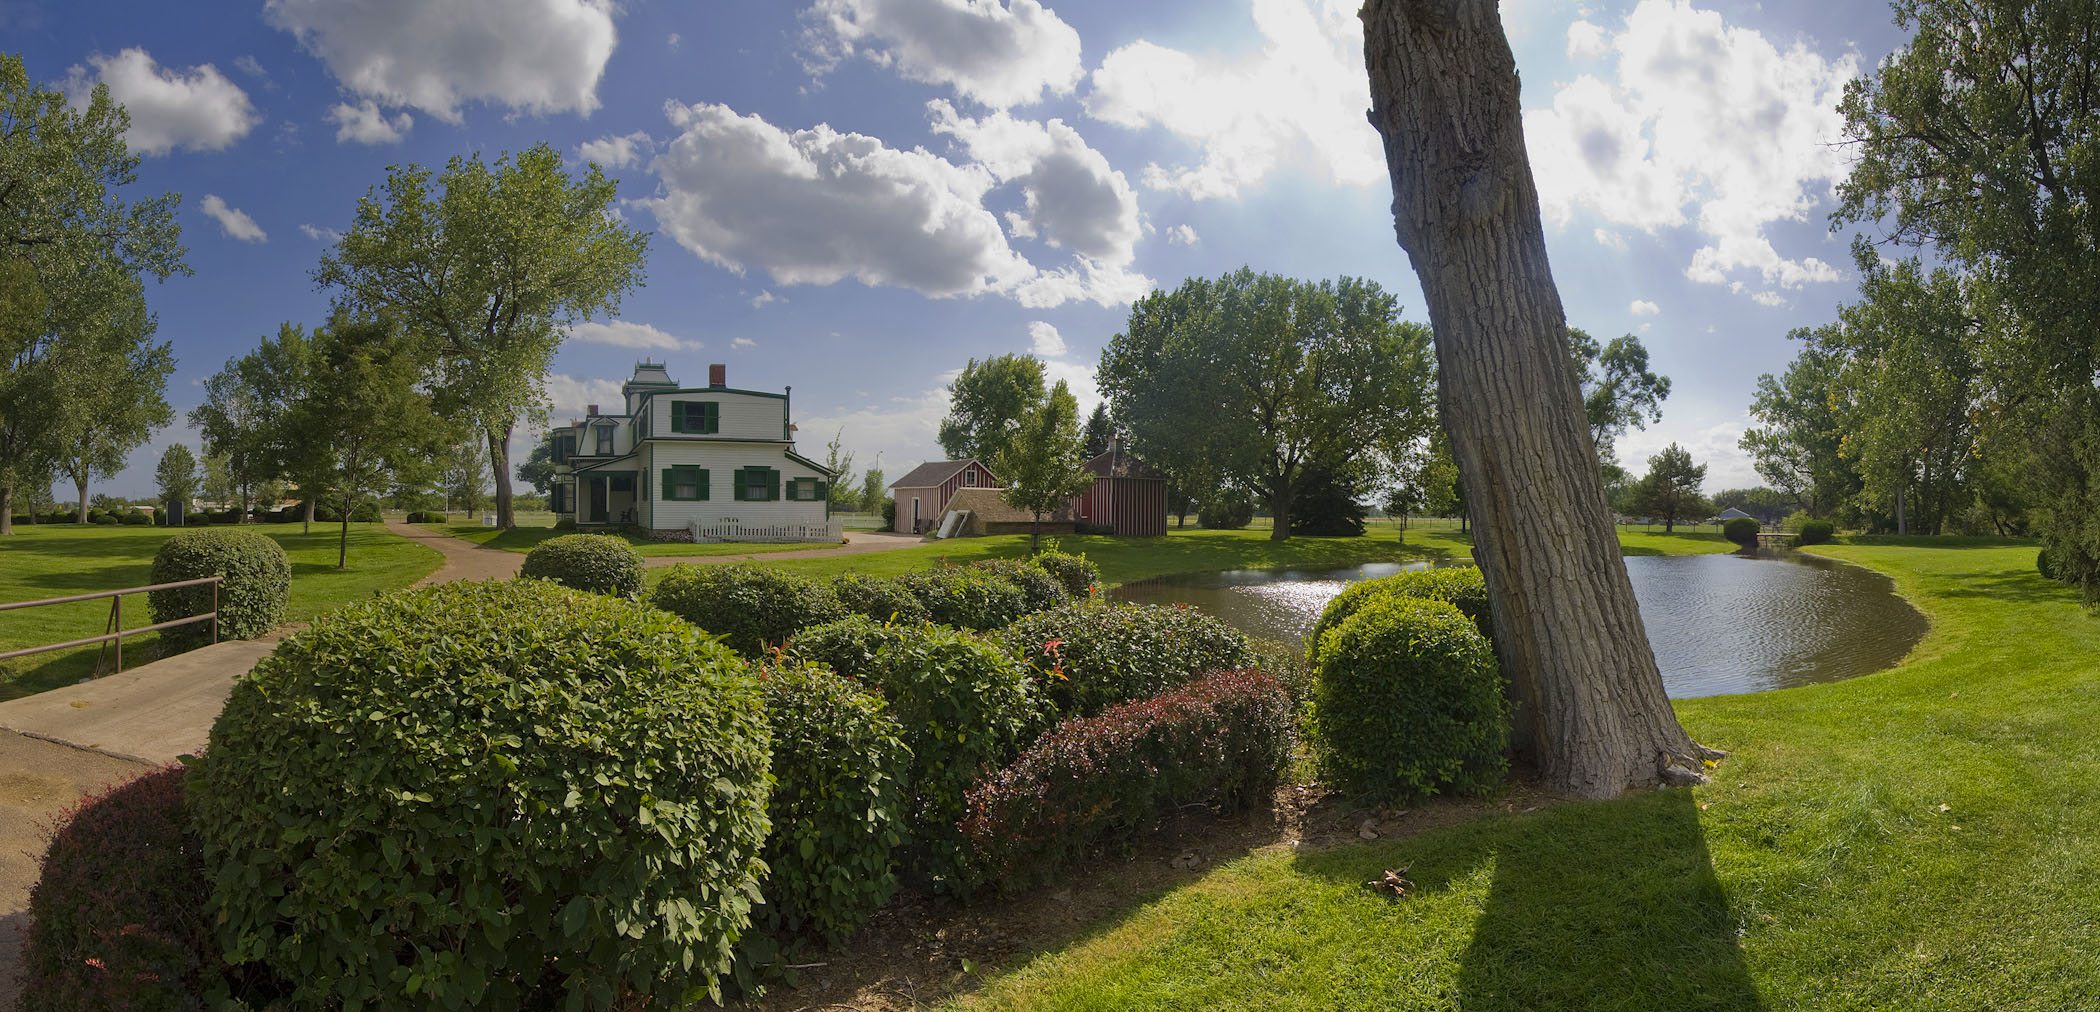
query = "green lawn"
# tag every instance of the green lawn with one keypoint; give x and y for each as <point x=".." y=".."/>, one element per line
<point x="525" y="538"/>
<point x="1922" y="838"/>
<point x="57" y="560"/>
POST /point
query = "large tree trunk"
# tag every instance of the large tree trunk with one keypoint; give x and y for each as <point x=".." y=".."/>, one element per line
<point x="80" y="485"/>
<point x="1592" y="715"/>
<point x="7" y="510"/>
<point x="499" y="459"/>
<point x="1280" y="508"/>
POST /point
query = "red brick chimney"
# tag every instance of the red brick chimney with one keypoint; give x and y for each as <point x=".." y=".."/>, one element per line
<point x="718" y="375"/>
<point x="590" y="409"/>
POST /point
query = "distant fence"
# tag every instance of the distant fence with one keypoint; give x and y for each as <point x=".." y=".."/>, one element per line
<point x="117" y="632"/>
<point x="831" y="531"/>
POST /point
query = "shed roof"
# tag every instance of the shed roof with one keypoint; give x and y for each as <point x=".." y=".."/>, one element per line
<point x="934" y="472"/>
<point x="990" y="508"/>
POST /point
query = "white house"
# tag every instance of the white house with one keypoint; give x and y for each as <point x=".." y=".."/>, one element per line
<point x="715" y="461"/>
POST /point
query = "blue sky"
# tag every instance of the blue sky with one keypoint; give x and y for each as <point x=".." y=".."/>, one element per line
<point x="853" y="197"/>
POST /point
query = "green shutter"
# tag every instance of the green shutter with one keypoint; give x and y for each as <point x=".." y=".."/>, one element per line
<point x="820" y="490"/>
<point x="703" y="483"/>
<point x="677" y="416"/>
<point x="670" y="483"/>
<point x="641" y="483"/>
<point x="772" y="484"/>
<point x="710" y="416"/>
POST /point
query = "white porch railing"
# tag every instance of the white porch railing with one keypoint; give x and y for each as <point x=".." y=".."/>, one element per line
<point x="831" y="531"/>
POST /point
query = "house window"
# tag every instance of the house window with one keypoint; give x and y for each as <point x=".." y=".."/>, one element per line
<point x="696" y="416"/>
<point x="970" y="478"/>
<point x="605" y="440"/>
<point x="685" y="483"/>
<point x="623" y="483"/>
<point x="806" y="490"/>
<point x="564" y="444"/>
<point x="757" y="484"/>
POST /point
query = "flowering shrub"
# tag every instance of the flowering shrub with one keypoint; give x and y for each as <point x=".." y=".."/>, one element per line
<point x="599" y="563"/>
<point x="121" y="912"/>
<point x="750" y="607"/>
<point x="1088" y="657"/>
<point x="1096" y="783"/>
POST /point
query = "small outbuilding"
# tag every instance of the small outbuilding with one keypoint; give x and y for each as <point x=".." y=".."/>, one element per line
<point x="922" y="495"/>
<point x="1732" y="513"/>
<point x="1128" y="497"/>
<point x="988" y="513"/>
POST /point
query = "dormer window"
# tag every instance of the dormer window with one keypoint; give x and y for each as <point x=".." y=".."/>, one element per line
<point x="701" y="417"/>
<point x="605" y="440"/>
<point x="970" y="477"/>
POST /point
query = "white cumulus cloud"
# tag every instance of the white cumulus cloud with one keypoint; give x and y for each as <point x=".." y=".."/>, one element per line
<point x="571" y="398"/>
<point x="1701" y="124"/>
<point x="628" y="334"/>
<point x="763" y="299"/>
<point x="620" y="152"/>
<point x="1301" y="98"/>
<point x="327" y="235"/>
<point x="534" y="56"/>
<point x="1182" y="235"/>
<point x="366" y="123"/>
<point x="1769" y="298"/>
<point x="233" y="222"/>
<point x="1046" y="341"/>
<point x="743" y="344"/>
<point x="197" y="109"/>
<point x="998" y="53"/>
<point x="1642" y="307"/>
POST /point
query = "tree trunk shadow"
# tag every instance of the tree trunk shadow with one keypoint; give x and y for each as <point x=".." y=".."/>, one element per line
<point x="1607" y="906"/>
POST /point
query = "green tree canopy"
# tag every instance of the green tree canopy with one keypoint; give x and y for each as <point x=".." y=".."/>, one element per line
<point x="176" y="476"/>
<point x="1247" y="379"/>
<point x="487" y="273"/>
<point x="987" y="402"/>
<point x="1618" y="390"/>
<point x="246" y="408"/>
<point x="115" y="379"/>
<point x="1670" y="489"/>
<point x="1041" y="463"/>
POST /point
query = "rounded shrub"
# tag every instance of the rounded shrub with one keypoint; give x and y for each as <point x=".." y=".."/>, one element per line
<point x="426" y="517"/>
<point x="120" y="914"/>
<point x="599" y="563"/>
<point x="880" y="598"/>
<point x="1078" y="576"/>
<point x="1039" y="589"/>
<point x="750" y="607"/>
<point x="366" y="512"/>
<point x="102" y="518"/>
<point x="1815" y="532"/>
<point x="1089" y="657"/>
<point x="1226" y="513"/>
<point x="889" y="514"/>
<point x="839" y="803"/>
<point x="2045" y="564"/>
<point x="967" y="598"/>
<point x="1462" y="587"/>
<point x="1742" y="531"/>
<point x="847" y="646"/>
<point x="1407" y="702"/>
<point x="135" y="519"/>
<point x="492" y="795"/>
<point x="258" y="581"/>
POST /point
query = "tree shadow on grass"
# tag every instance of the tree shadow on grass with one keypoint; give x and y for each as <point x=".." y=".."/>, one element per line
<point x="2010" y="585"/>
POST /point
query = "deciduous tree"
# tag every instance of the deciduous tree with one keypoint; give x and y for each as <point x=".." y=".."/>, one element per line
<point x="987" y="402"/>
<point x="176" y="477"/>
<point x="244" y="414"/>
<point x="1670" y="489"/>
<point x="1592" y="714"/>
<point x="1041" y="463"/>
<point x="114" y="381"/>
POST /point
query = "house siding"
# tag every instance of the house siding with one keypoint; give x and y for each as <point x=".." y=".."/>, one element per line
<point x="722" y="460"/>
<point x="933" y="499"/>
<point x="743" y="415"/>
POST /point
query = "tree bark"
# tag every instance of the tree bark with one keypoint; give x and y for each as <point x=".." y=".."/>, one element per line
<point x="499" y="459"/>
<point x="80" y="484"/>
<point x="1280" y="508"/>
<point x="1592" y="716"/>
<point x="7" y="510"/>
<point x="306" y="524"/>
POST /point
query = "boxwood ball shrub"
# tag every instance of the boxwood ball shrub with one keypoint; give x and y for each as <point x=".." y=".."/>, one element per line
<point x="1407" y="702"/>
<point x="599" y="563"/>
<point x="839" y="805"/>
<point x="878" y="597"/>
<point x="506" y="794"/>
<point x="120" y="912"/>
<point x="1078" y="576"/>
<point x="967" y="598"/>
<point x="1088" y="657"/>
<point x="750" y="607"/>
<point x="1815" y="532"/>
<point x="258" y="581"/>
<point x="1094" y="783"/>
<point x="1462" y="587"/>
<point x="1742" y="531"/>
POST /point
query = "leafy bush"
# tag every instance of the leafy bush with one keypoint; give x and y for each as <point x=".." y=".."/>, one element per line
<point x="565" y="524"/>
<point x="120" y="917"/>
<point x="1088" y="657"/>
<point x="838" y="809"/>
<point x="1286" y="664"/>
<point x="1229" y="512"/>
<point x="1742" y="531"/>
<point x="1815" y="532"/>
<point x="103" y="518"/>
<point x="327" y="514"/>
<point x="1039" y="589"/>
<point x="1078" y="576"/>
<point x="965" y="708"/>
<point x="1463" y="587"/>
<point x="967" y="598"/>
<point x="135" y="519"/>
<point x="258" y="581"/>
<point x="751" y="607"/>
<point x="847" y="646"/>
<point x="487" y="795"/>
<point x="1407" y="702"/>
<point x="1101" y="782"/>
<point x="889" y="514"/>
<point x="880" y="598"/>
<point x="599" y="563"/>
<point x="1794" y="521"/>
<point x="366" y="512"/>
<point x="2045" y="564"/>
<point x="426" y="517"/>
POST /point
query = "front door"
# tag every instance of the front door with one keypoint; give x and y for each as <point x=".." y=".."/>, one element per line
<point x="915" y="514"/>
<point x="598" y="495"/>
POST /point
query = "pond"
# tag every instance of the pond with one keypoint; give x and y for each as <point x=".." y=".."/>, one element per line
<point x="1718" y="623"/>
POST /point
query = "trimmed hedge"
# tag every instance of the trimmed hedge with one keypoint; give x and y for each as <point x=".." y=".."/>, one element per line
<point x="1742" y="531"/>
<point x="847" y="646"/>
<point x="1089" y="657"/>
<point x="1101" y="782"/>
<point x="839" y="805"/>
<point x="426" y="517"/>
<point x="258" y="582"/>
<point x="135" y="519"/>
<point x="599" y="563"/>
<point x="1407" y="702"/>
<point x="880" y="598"/>
<point x="1039" y="589"/>
<point x="120" y="914"/>
<point x="1463" y="587"/>
<point x="1815" y="532"/>
<point x="750" y="607"/>
<point x="1078" y="576"/>
<point x="967" y="598"/>
<point x="493" y="795"/>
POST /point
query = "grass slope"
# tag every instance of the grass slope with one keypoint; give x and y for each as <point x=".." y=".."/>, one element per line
<point x="57" y="560"/>
<point x="1818" y="871"/>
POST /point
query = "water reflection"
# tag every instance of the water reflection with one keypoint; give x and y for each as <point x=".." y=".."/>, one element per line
<point x="1718" y="623"/>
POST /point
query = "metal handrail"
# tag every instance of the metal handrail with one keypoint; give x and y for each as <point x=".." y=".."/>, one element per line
<point x="116" y="616"/>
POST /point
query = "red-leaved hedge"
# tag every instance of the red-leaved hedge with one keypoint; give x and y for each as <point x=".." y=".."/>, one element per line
<point x="1097" y="783"/>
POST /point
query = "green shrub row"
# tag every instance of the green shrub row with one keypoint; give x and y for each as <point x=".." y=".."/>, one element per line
<point x="1815" y="532"/>
<point x="599" y="563"/>
<point x="1089" y="657"/>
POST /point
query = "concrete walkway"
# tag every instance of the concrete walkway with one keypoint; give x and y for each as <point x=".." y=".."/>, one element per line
<point x="149" y="714"/>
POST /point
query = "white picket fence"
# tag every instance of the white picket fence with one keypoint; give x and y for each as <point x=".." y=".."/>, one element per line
<point x="831" y="531"/>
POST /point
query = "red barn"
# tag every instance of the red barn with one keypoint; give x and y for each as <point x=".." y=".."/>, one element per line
<point x="922" y="496"/>
<point x="1128" y="497"/>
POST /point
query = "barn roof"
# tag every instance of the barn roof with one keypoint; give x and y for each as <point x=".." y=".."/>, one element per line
<point x="935" y="472"/>
<point x="990" y="508"/>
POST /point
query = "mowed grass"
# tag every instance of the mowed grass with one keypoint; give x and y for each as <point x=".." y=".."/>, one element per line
<point x="58" y="560"/>
<point x="524" y="538"/>
<point x="1924" y="838"/>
